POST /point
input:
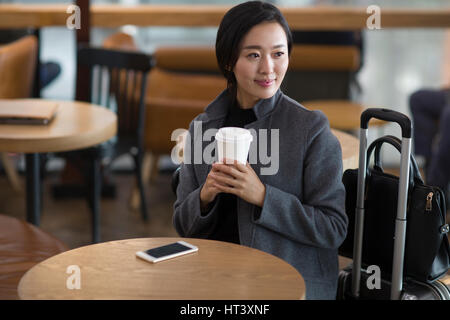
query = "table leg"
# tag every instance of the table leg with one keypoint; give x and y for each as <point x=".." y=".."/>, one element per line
<point x="95" y="198"/>
<point x="33" y="188"/>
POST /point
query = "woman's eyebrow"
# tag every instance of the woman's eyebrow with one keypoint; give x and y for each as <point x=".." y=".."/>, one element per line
<point x="259" y="47"/>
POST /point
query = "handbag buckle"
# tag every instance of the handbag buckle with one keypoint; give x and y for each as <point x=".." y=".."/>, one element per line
<point x="445" y="228"/>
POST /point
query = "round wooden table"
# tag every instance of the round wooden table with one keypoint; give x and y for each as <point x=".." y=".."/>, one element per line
<point x="76" y="125"/>
<point x="111" y="270"/>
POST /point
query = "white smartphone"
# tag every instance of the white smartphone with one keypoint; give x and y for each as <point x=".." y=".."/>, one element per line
<point x="168" y="251"/>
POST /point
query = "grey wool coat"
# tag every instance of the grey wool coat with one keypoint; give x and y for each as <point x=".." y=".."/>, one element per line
<point x="303" y="218"/>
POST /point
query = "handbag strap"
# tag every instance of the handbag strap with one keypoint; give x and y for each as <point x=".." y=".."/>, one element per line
<point x="414" y="177"/>
<point x="446" y="244"/>
<point x="417" y="176"/>
<point x="444" y="209"/>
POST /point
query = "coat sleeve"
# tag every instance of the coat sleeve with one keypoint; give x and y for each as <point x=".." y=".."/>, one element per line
<point x="318" y="220"/>
<point x="188" y="219"/>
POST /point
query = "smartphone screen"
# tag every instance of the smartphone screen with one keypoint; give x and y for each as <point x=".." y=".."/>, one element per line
<point x="167" y="250"/>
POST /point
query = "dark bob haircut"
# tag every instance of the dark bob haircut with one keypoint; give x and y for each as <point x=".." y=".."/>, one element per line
<point x="236" y="23"/>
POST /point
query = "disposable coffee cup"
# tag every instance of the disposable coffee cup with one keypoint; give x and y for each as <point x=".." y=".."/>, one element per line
<point x="233" y="144"/>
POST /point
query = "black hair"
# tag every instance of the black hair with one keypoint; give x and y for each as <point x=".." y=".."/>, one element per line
<point x="235" y="24"/>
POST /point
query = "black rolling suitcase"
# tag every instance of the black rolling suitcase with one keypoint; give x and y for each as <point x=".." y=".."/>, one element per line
<point x="358" y="281"/>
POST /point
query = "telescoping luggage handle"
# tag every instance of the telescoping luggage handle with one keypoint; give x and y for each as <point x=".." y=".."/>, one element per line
<point x="387" y="115"/>
<point x="400" y="222"/>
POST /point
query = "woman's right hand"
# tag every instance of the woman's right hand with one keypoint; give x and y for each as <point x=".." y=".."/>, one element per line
<point x="209" y="190"/>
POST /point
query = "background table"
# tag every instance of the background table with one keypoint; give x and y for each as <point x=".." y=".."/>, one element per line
<point x="342" y="114"/>
<point x="350" y="149"/>
<point x="111" y="270"/>
<point x="76" y="125"/>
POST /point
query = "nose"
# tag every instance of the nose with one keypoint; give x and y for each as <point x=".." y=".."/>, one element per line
<point x="266" y="65"/>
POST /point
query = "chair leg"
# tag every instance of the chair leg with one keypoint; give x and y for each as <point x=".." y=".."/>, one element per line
<point x="11" y="173"/>
<point x="139" y="178"/>
<point x="43" y="158"/>
<point x="148" y="165"/>
<point x="154" y="168"/>
<point x="95" y="198"/>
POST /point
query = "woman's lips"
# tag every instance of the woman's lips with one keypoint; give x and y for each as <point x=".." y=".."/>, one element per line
<point x="264" y="83"/>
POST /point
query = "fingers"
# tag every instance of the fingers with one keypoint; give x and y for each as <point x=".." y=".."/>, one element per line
<point x="234" y="163"/>
<point x="234" y="169"/>
<point x="241" y="167"/>
<point x="227" y="189"/>
<point x="223" y="179"/>
<point x="230" y="177"/>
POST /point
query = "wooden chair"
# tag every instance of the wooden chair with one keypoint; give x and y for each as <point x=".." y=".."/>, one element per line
<point x="17" y="70"/>
<point x="22" y="245"/>
<point x="121" y="81"/>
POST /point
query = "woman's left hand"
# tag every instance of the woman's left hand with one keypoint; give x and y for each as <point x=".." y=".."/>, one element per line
<point x="240" y="180"/>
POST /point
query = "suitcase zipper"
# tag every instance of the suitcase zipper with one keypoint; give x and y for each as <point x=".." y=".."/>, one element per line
<point x="429" y="201"/>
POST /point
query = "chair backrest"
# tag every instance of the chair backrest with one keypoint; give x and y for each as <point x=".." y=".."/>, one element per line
<point x="182" y="84"/>
<point x="196" y="59"/>
<point x="321" y="72"/>
<point x="324" y="58"/>
<point x="189" y="87"/>
<point x="17" y="68"/>
<point x="173" y="101"/>
<point x="118" y="81"/>
<point x="186" y="73"/>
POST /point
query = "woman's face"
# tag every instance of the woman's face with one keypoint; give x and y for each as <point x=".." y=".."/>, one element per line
<point x="262" y="63"/>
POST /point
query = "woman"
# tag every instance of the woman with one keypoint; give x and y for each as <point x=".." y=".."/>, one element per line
<point x="296" y="213"/>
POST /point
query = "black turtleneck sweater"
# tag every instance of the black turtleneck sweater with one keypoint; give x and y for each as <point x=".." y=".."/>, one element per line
<point x="227" y="226"/>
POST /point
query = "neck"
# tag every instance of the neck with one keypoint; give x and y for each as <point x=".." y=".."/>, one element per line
<point x="245" y="104"/>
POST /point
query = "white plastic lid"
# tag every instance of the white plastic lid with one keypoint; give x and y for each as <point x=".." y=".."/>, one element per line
<point x="233" y="134"/>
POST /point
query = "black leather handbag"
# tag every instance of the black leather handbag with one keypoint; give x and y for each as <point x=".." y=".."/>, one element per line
<point x="427" y="251"/>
